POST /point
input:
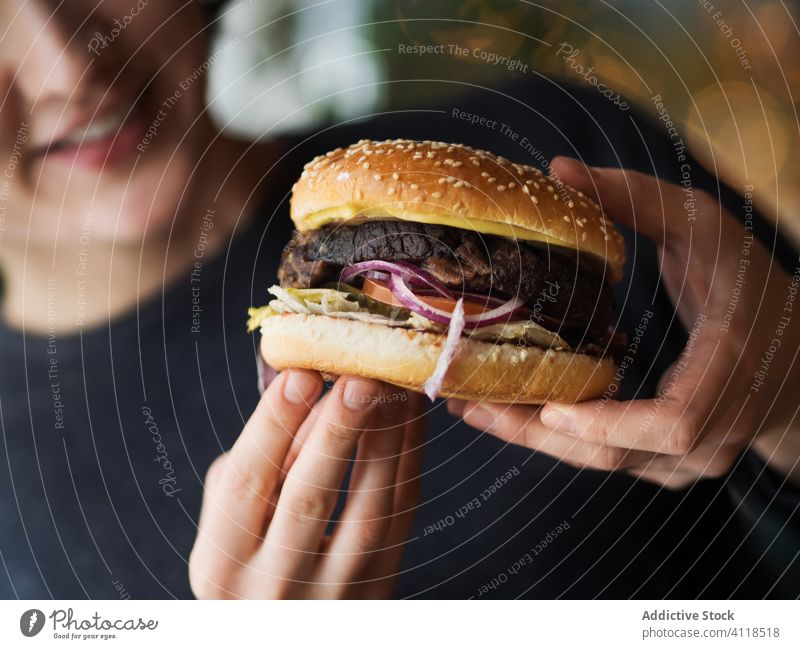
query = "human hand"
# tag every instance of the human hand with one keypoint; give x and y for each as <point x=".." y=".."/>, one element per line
<point x="268" y="500"/>
<point x="712" y="402"/>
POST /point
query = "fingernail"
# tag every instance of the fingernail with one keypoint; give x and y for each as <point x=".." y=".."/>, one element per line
<point x="479" y="417"/>
<point x="560" y="420"/>
<point x="300" y="387"/>
<point x="360" y="394"/>
<point x="392" y="404"/>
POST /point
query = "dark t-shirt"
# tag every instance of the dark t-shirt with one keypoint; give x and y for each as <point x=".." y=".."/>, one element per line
<point x="107" y="434"/>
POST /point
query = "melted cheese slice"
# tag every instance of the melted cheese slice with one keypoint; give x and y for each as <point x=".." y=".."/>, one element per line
<point x="355" y="215"/>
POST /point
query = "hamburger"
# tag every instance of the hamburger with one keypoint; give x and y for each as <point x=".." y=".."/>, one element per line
<point x="445" y="269"/>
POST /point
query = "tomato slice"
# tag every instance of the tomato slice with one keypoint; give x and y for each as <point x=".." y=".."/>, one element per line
<point x="381" y="292"/>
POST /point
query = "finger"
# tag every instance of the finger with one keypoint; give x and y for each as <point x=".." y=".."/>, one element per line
<point x="240" y="483"/>
<point x="673" y="423"/>
<point x="379" y="576"/>
<point x="302" y="436"/>
<point x="456" y="407"/>
<point x="705" y="462"/>
<point x="311" y="488"/>
<point x="668" y="478"/>
<point x="521" y="425"/>
<point x="639" y="201"/>
<point x="367" y="515"/>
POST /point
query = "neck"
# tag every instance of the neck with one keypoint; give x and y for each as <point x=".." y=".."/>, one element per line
<point x="54" y="287"/>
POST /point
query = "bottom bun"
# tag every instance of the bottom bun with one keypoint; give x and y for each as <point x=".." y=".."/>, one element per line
<point x="503" y="373"/>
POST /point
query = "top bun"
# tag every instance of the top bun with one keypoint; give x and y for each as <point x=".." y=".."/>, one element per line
<point x="455" y="185"/>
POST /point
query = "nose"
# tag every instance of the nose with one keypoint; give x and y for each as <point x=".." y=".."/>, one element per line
<point x="53" y="61"/>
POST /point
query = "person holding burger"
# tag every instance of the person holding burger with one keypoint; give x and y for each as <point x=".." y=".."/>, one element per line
<point x="139" y="455"/>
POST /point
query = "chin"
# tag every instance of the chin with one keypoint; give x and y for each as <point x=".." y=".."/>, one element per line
<point x="147" y="205"/>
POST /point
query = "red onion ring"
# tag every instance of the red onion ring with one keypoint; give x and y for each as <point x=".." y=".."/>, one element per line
<point x="408" y="298"/>
<point x="435" y="381"/>
<point x="404" y="269"/>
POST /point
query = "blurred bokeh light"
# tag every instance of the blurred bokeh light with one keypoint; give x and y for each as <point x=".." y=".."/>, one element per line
<point x="728" y="70"/>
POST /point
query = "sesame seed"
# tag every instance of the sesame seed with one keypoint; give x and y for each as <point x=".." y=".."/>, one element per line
<point x="492" y="179"/>
<point x="501" y="188"/>
<point x="511" y="185"/>
<point x="485" y="174"/>
<point x="583" y="236"/>
<point x="457" y="163"/>
<point x="438" y="163"/>
<point x="414" y="186"/>
<point x="525" y="189"/>
<point x="529" y="182"/>
<point x="376" y="176"/>
<point x="550" y="188"/>
<point x="451" y="179"/>
<point x="437" y="194"/>
<point x="570" y="204"/>
<point x="566" y="218"/>
<point x="448" y="161"/>
<point x="391" y="191"/>
<point x="396" y="176"/>
<point x="430" y="154"/>
<point x="442" y="181"/>
<point x="358" y="194"/>
<point x="535" y="200"/>
<point x="365" y="165"/>
<point x="460" y="183"/>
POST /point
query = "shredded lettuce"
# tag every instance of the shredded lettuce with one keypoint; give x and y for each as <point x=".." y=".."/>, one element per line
<point x="526" y="331"/>
<point x="350" y="303"/>
<point x="370" y="304"/>
<point x="257" y="314"/>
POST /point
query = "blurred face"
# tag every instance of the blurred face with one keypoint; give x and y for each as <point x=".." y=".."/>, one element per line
<point x="97" y="101"/>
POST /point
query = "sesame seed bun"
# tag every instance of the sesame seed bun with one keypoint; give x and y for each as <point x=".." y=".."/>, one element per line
<point x="452" y="184"/>
<point x="502" y="373"/>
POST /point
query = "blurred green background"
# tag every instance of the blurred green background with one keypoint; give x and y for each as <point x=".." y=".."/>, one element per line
<point x="728" y="70"/>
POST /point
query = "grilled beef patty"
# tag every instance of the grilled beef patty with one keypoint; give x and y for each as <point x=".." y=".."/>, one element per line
<point x="561" y="289"/>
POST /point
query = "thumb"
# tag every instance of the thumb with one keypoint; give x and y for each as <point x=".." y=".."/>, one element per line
<point x="657" y="209"/>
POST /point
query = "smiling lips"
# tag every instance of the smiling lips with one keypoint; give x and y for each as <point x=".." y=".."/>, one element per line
<point x="102" y="142"/>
